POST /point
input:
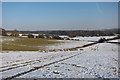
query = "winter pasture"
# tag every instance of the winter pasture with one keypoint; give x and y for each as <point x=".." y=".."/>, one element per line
<point x="95" y="61"/>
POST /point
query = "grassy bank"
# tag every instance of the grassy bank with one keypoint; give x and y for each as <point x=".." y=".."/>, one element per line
<point x="25" y="44"/>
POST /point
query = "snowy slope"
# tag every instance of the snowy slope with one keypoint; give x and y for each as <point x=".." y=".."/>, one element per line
<point x="100" y="60"/>
<point x="67" y="44"/>
<point x="97" y="61"/>
<point x="94" y="38"/>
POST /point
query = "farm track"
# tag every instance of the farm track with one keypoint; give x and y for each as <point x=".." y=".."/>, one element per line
<point x="13" y="66"/>
<point x="36" y="68"/>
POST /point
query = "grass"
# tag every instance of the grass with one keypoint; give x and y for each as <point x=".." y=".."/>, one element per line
<point x="25" y="44"/>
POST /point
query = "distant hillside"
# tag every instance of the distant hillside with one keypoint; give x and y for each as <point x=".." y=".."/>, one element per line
<point x="73" y="33"/>
<point x="115" y="30"/>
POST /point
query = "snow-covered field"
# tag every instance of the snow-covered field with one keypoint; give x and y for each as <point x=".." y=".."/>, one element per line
<point x="94" y="38"/>
<point x="118" y="40"/>
<point x="94" y="62"/>
<point x="100" y="60"/>
<point x="82" y="41"/>
<point x="67" y="44"/>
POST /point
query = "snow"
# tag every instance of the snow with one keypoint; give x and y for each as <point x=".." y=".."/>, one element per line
<point x="43" y="57"/>
<point x="118" y="40"/>
<point x="94" y="38"/>
<point x="7" y="39"/>
<point x="63" y="36"/>
<point x="67" y="44"/>
<point x="99" y="61"/>
<point x="96" y="61"/>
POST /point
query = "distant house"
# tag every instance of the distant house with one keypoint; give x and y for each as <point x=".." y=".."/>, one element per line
<point x="26" y="35"/>
<point x="50" y="37"/>
<point x="13" y="33"/>
<point x="3" y="32"/>
<point x="23" y="35"/>
<point x="45" y="37"/>
<point x="19" y="33"/>
<point x="65" y="37"/>
<point x="35" y="35"/>
<point x="9" y="33"/>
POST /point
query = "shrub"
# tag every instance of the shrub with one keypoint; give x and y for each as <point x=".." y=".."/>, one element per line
<point x="41" y="36"/>
<point x="30" y="36"/>
<point x="101" y="40"/>
<point x="56" y="37"/>
<point x="47" y="36"/>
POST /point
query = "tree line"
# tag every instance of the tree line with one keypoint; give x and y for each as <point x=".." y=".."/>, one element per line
<point x="70" y="33"/>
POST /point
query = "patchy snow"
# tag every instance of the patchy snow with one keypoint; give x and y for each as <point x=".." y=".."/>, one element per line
<point x="64" y="36"/>
<point x="94" y="38"/>
<point x="28" y="59"/>
<point x="97" y="61"/>
<point x="118" y="40"/>
<point x="67" y="44"/>
<point x="7" y="39"/>
<point x="100" y="60"/>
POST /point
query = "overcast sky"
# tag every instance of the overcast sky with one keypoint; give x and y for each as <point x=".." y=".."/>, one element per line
<point x="59" y="15"/>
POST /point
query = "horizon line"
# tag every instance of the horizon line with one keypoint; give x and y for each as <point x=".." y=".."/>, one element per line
<point x="66" y="30"/>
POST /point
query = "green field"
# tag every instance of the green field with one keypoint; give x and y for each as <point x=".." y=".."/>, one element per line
<point x="25" y="44"/>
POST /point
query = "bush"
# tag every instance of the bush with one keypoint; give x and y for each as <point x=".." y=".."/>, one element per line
<point x="47" y="36"/>
<point x="30" y="36"/>
<point x="101" y="40"/>
<point x="56" y="37"/>
<point x="41" y="36"/>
